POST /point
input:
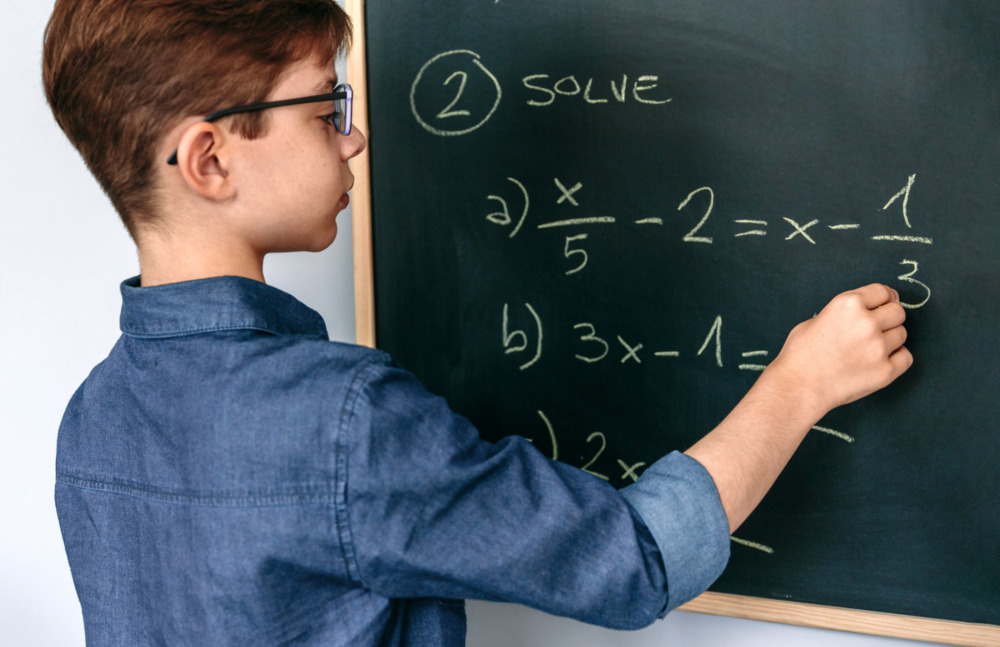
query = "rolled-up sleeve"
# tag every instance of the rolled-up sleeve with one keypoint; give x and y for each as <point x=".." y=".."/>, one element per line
<point x="431" y="510"/>
<point x="679" y="503"/>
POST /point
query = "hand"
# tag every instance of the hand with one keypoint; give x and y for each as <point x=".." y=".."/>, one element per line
<point x="853" y="347"/>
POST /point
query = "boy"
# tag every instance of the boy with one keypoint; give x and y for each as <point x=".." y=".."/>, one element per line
<point x="229" y="476"/>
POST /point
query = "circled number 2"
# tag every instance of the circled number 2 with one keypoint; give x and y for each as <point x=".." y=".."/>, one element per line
<point x="483" y="79"/>
<point x="463" y="78"/>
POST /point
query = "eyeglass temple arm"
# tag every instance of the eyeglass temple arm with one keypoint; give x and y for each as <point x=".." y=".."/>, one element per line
<point x="255" y="107"/>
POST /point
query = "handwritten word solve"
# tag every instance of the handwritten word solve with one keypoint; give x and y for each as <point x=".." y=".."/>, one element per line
<point x="644" y="89"/>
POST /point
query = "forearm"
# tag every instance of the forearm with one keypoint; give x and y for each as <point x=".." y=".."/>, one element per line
<point x="745" y="453"/>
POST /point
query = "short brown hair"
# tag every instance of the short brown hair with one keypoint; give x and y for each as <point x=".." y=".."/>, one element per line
<point x="119" y="74"/>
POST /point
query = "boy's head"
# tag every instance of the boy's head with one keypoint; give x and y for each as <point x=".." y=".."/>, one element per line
<point x="120" y="74"/>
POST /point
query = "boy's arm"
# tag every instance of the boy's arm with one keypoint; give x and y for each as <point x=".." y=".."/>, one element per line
<point x="431" y="510"/>
<point x="852" y="348"/>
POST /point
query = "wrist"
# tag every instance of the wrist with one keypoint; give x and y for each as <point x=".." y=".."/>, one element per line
<point x="799" y="394"/>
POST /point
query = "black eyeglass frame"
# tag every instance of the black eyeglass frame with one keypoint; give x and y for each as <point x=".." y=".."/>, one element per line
<point x="342" y="91"/>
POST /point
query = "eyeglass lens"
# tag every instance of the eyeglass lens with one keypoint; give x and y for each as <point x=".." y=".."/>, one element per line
<point x="342" y="110"/>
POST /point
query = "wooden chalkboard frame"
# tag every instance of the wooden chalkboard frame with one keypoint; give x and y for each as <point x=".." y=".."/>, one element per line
<point x="361" y="198"/>
<point x="794" y="613"/>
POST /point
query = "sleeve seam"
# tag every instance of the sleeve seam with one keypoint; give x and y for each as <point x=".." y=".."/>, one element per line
<point x="342" y="519"/>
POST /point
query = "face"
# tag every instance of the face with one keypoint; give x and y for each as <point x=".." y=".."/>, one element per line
<point x="293" y="181"/>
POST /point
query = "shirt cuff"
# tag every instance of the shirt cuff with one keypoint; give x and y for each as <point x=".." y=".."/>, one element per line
<point x="679" y="503"/>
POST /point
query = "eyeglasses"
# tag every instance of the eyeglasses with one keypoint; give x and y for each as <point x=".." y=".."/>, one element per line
<point x="341" y="96"/>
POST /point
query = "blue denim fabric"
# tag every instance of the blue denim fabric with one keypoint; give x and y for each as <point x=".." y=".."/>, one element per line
<point x="228" y="476"/>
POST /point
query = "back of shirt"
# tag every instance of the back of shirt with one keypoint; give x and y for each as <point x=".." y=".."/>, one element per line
<point x="194" y="501"/>
<point x="228" y="476"/>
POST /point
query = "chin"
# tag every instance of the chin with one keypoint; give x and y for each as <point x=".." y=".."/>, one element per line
<point x="322" y="242"/>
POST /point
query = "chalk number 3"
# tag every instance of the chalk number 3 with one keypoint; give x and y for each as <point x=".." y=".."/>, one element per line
<point x="908" y="278"/>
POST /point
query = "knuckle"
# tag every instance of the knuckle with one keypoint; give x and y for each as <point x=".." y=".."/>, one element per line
<point x="869" y="327"/>
<point x="853" y="300"/>
<point x="885" y="372"/>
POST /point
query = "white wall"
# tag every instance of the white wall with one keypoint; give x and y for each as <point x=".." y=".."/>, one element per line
<point x="62" y="256"/>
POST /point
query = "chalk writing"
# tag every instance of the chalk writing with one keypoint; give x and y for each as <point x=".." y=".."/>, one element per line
<point x="441" y="123"/>
<point x="631" y="352"/>
<point x="463" y="78"/>
<point x="801" y="229"/>
<point x="509" y="337"/>
<point x="908" y="278"/>
<point x="577" y="254"/>
<point x="552" y="435"/>
<point x="597" y="349"/>
<point x="753" y="367"/>
<point x="571" y="222"/>
<point x="592" y="337"/>
<point x="752" y="544"/>
<point x="569" y="252"/>
<point x="502" y="217"/>
<point x="904" y="193"/>
<point x="603" y="446"/>
<point x="545" y="91"/>
<point x="592" y="347"/>
<point x="587" y="462"/>
<point x="752" y="232"/>
<point x="714" y="334"/>
<point x="834" y="433"/>
<point x="630" y="471"/>
<point x="690" y="236"/>
<point x="567" y="194"/>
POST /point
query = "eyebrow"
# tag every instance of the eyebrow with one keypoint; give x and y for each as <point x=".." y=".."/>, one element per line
<point x="325" y="87"/>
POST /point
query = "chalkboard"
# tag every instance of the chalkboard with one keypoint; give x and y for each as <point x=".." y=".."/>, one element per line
<point x="593" y="224"/>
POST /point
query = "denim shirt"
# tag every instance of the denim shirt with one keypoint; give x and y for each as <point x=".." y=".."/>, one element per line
<point x="229" y="476"/>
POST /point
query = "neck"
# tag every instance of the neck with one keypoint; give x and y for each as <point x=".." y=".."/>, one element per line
<point x="165" y="259"/>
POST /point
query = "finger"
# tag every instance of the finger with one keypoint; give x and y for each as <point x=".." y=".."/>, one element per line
<point x="901" y="361"/>
<point x="876" y="294"/>
<point x="894" y="339"/>
<point x="889" y="315"/>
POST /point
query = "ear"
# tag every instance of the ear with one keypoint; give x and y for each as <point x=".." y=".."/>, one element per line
<point x="202" y="161"/>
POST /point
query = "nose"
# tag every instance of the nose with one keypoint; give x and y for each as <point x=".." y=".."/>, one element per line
<point x="352" y="145"/>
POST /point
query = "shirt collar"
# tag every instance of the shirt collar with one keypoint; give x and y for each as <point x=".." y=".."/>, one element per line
<point x="218" y="303"/>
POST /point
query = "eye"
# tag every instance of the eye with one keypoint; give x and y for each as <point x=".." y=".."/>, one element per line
<point x="331" y="119"/>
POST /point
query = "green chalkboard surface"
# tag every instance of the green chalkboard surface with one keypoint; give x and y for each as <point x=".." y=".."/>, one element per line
<point x="594" y="223"/>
